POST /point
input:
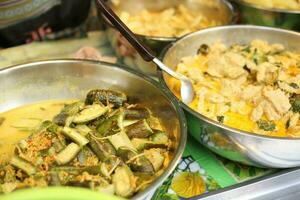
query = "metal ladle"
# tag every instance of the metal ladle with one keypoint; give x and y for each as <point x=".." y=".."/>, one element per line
<point x="186" y="90"/>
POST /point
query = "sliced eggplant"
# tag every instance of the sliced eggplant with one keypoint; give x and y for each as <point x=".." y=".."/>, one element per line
<point x="23" y="165"/>
<point x="136" y="113"/>
<point x="83" y="129"/>
<point x="155" y="123"/>
<point x="125" y="153"/>
<point x="102" y="148"/>
<point x="68" y="154"/>
<point x="141" y="144"/>
<point x="156" y="158"/>
<point x="58" y="144"/>
<point x="61" y="119"/>
<point x="128" y="122"/>
<point x="89" y="113"/>
<point x="120" y="140"/>
<point x="106" y="97"/>
<point x="64" y="118"/>
<point x="140" y="129"/>
<point x="142" y="164"/>
<point x="160" y="138"/>
<point x="124" y="181"/>
<point x="54" y="179"/>
<point x="48" y="126"/>
<point x="111" y="125"/>
<point x="85" y="154"/>
<point x="109" y="166"/>
<point x="74" y="135"/>
<point x="73" y="108"/>
<point x="138" y="163"/>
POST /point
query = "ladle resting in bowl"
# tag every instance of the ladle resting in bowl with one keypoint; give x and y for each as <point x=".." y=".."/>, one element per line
<point x="186" y="90"/>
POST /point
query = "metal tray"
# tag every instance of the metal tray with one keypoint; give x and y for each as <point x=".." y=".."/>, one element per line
<point x="283" y="185"/>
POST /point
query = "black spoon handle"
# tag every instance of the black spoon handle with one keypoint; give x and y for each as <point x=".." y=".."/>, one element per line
<point x="146" y="54"/>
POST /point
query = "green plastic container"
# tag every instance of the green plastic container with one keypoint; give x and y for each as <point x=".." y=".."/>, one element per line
<point x="57" y="193"/>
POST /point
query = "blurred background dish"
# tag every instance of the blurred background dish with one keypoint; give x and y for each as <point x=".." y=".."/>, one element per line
<point x="261" y="13"/>
<point x="158" y="23"/>
<point x="277" y="4"/>
<point x="231" y="143"/>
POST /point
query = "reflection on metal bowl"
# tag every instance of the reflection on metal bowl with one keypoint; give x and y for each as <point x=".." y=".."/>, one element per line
<point x="257" y="15"/>
<point x="129" y="56"/>
<point x="237" y="145"/>
<point x="71" y="79"/>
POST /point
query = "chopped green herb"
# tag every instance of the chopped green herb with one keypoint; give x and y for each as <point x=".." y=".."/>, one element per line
<point x="220" y="119"/>
<point x="294" y="85"/>
<point x="287" y="125"/>
<point x="295" y="102"/>
<point x="228" y="104"/>
<point x="259" y="58"/>
<point x="247" y="49"/>
<point x="266" y="126"/>
<point x="278" y="64"/>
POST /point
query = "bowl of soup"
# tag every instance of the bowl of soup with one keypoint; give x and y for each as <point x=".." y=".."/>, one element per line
<point x="246" y="82"/>
<point x="85" y="124"/>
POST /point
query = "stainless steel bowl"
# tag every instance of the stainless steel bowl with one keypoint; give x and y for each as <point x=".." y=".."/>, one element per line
<point x="257" y="15"/>
<point x="129" y="56"/>
<point x="237" y="145"/>
<point x="71" y="79"/>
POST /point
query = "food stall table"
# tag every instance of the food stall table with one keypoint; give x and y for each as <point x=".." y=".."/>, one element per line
<point x="200" y="173"/>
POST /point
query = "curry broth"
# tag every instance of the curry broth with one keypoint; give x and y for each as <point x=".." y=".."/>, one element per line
<point x="19" y="122"/>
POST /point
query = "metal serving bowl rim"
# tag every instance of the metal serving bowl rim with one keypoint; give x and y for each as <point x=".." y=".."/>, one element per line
<point x="204" y="118"/>
<point x="233" y="20"/>
<point x="242" y="2"/>
<point x="181" y="117"/>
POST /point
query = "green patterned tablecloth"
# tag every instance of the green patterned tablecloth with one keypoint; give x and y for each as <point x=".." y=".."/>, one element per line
<point x="199" y="170"/>
<point x="215" y="172"/>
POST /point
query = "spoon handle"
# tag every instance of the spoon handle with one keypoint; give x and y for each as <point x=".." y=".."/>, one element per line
<point x="145" y="53"/>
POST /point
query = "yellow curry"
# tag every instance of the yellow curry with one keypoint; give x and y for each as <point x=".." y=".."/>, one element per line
<point x="254" y="87"/>
<point x="18" y="123"/>
<point x="103" y="143"/>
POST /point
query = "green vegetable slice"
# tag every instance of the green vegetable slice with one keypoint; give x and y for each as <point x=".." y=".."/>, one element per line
<point x="74" y="135"/>
<point x="23" y="165"/>
<point x="89" y="113"/>
<point x="266" y="126"/>
<point x="68" y="154"/>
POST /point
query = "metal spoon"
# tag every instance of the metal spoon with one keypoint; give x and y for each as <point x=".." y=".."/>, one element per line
<point x="186" y="90"/>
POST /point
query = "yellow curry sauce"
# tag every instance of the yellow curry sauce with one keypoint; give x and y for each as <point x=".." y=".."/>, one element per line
<point x="103" y="143"/>
<point x="19" y="122"/>
<point x="255" y="87"/>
